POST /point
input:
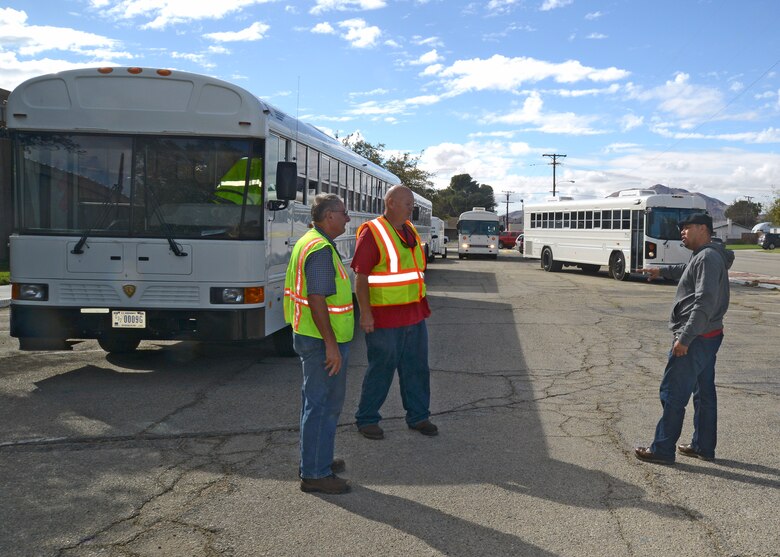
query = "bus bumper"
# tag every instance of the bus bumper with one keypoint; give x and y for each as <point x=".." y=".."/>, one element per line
<point x="29" y="321"/>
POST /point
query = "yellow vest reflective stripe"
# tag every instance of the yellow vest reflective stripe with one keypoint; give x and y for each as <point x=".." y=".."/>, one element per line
<point x="296" y="302"/>
<point x="398" y="278"/>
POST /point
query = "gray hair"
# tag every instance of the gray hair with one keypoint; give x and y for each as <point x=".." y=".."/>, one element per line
<point x="323" y="203"/>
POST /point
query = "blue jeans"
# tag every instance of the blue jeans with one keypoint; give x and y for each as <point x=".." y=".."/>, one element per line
<point x="322" y="397"/>
<point x="404" y="349"/>
<point x="694" y="374"/>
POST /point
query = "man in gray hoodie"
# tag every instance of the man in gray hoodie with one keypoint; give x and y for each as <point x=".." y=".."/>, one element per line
<point x="696" y="322"/>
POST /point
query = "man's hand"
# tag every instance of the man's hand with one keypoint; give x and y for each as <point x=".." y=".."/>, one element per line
<point x="366" y="320"/>
<point x="332" y="358"/>
<point x="679" y="349"/>
<point x="651" y="272"/>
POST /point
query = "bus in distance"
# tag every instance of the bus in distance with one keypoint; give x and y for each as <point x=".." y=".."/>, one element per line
<point x="478" y="233"/>
<point x="153" y="204"/>
<point x="636" y="229"/>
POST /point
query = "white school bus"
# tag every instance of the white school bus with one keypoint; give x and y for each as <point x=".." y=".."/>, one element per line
<point x="157" y="204"/>
<point x="634" y="230"/>
<point x="478" y="233"/>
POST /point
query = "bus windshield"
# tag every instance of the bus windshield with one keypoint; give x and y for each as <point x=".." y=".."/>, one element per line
<point x="485" y="227"/>
<point x="137" y="186"/>
<point x="661" y="222"/>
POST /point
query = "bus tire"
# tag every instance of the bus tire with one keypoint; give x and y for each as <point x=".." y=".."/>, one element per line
<point x="118" y="344"/>
<point x="501" y="245"/>
<point x="549" y="263"/>
<point x="444" y="255"/>
<point x="283" y="342"/>
<point x="429" y="257"/>
<point x="461" y="256"/>
<point x="617" y="266"/>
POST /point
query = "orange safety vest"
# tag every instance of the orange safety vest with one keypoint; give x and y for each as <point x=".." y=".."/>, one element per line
<point x="398" y="278"/>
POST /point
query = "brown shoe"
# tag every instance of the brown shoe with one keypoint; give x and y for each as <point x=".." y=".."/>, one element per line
<point x="338" y="465"/>
<point x="688" y="450"/>
<point x="329" y="484"/>
<point x="645" y="454"/>
<point x="426" y="428"/>
<point x="371" y="431"/>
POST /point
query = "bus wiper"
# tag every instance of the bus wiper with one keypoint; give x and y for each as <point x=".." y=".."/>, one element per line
<point x="108" y="204"/>
<point x="167" y="231"/>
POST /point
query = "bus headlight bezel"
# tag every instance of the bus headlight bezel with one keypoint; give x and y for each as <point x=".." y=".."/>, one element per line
<point x="30" y="291"/>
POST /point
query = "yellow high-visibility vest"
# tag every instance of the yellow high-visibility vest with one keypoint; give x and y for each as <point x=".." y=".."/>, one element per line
<point x="296" y="302"/>
<point x="398" y="278"/>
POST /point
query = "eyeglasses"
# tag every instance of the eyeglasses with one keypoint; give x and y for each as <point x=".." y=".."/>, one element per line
<point x="344" y="212"/>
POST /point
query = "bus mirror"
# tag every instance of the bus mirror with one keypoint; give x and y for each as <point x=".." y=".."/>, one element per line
<point x="286" y="174"/>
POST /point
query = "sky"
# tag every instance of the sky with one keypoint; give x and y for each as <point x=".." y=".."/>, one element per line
<point x="684" y="93"/>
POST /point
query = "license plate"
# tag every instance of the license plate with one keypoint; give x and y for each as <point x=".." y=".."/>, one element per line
<point x="128" y="319"/>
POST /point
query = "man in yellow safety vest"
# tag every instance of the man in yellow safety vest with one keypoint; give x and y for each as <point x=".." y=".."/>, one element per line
<point x="318" y="304"/>
<point x="390" y="285"/>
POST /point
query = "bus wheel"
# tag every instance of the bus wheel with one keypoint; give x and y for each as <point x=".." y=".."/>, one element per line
<point x="549" y="263"/>
<point x="461" y="256"/>
<point x="617" y="266"/>
<point x="590" y="269"/>
<point x="428" y="256"/>
<point x="445" y="254"/>
<point x="118" y="345"/>
<point x="283" y="342"/>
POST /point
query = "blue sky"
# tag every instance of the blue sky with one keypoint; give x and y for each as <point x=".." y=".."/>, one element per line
<point x="685" y="93"/>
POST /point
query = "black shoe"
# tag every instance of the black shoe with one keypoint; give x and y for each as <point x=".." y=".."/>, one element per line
<point x="329" y="484"/>
<point x="645" y="454"/>
<point x="688" y="450"/>
<point x="371" y="431"/>
<point x="338" y="465"/>
<point x="426" y="428"/>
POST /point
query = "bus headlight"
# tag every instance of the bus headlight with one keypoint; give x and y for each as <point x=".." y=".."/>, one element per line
<point x="464" y="245"/>
<point x="651" y="250"/>
<point x="31" y="292"/>
<point x="237" y="295"/>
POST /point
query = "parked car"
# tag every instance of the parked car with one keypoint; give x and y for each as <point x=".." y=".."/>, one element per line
<point x="769" y="240"/>
<point x="506" y="239"/>
<point x="519" y="242"/>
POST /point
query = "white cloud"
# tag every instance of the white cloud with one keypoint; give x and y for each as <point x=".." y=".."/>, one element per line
<point x="346" y="5"/>
<point x="254" y="32"/>
<point x="593" y="16"/>
<point x="506" y="74"/>
<point x="427" y="41"/>
<point x="428" y="58"/>
<point x="433" y="69"/>
<point x="681" y="98"/>
<point x="548" y="5"/>
<point x="596" y="36"/>
<point x="359" y="34"/>
<point x="736" y="86"/>
<point x="631" y="121"/>
<point x="323" y="28"/>
<point x="162" y="13"/>
<point x="547" y="122"/>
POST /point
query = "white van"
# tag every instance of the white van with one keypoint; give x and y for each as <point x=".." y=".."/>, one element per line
<point x="438" y="239"/>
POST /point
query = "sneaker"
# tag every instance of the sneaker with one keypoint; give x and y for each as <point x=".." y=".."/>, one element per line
<point x="645" y="454"/>
<point x="371" y="431"/>
<point x="426" y="428"/>
<point x="688" y="450"/>
<point x="338" y="465"/>
<point x="329" y="484"/>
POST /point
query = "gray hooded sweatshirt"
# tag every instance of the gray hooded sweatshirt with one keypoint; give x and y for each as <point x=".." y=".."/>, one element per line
<point x="702" y="296"/>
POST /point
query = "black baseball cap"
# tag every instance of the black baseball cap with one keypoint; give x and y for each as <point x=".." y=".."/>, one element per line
<point x="696" y="218"/>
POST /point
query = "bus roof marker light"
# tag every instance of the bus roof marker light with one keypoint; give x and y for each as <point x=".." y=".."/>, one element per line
<point x="105" y="70"/>
<point x="164" y="73"/>
<point x="134" y="70"/>
<point x="244" y="123"/>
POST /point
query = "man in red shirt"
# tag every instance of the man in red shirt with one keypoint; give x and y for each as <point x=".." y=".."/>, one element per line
<point x="389" y="265"/>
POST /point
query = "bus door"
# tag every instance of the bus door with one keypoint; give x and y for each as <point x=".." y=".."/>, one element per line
<point x="279" y="231"/>
<point x="637" y="241"/>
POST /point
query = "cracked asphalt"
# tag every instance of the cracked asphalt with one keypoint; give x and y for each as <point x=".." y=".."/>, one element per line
<point x="541" y="385"/>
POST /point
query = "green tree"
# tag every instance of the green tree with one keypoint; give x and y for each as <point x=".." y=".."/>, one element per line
<point x="463" y="194"/>
<point x="743" y="212"/>
<point x="374" y="153"/>
<point x="773" y="213"/>
<point x="406" y="167"/>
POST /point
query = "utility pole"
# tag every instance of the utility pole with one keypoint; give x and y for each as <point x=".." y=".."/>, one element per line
<point x="554" y="163"/>
<point x="747" y="210"/>
<point x="508" y="193"/>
